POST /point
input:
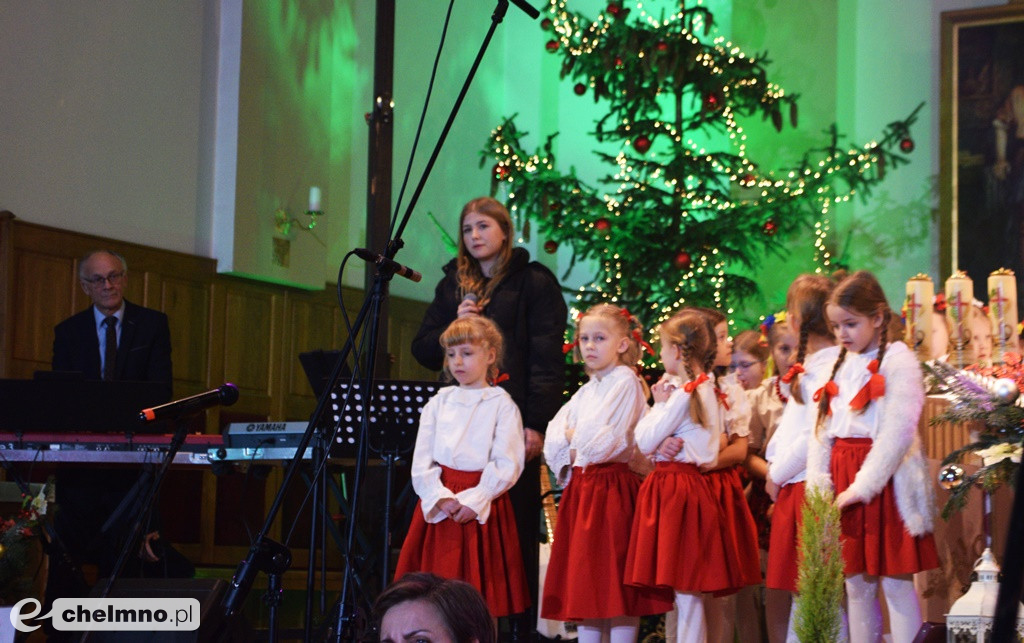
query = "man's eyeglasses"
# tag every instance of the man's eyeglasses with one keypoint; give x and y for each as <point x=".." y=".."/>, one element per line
<point x="113" y="278"/>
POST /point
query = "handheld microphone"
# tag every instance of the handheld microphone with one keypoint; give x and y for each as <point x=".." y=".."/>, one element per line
<point x="226" y="394"/>
<point x="471" y="296"/>
<point x="383" y="262"/>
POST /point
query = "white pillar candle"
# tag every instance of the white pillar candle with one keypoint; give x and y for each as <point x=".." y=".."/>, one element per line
<point x="959" y="298"/>
<point x="1002" y="310"/>
<point x="314" y="199"/>
<point x="920" y="293"/>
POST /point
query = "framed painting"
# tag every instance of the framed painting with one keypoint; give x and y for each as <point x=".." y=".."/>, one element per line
<point x="981" y="170"/>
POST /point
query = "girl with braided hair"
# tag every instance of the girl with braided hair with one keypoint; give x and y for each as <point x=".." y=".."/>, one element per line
<point x="676" y="545"/>
<point x="786" y="452"/>
<point x="589" y="445"/>
<point x="867" y="448"/>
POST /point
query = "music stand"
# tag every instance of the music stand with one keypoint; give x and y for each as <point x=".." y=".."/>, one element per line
<point x="394" y="417"/>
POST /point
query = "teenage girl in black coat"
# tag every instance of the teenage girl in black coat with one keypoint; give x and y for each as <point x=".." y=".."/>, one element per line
<point x="492" y="278"/>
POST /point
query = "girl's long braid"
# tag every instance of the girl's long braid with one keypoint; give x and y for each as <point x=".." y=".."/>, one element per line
<point x="825" y="400"/>
<point x="801" y="353"/>
<point x="697" y="412"/>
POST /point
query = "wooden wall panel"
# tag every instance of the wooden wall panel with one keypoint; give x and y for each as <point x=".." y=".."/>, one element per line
<point x="38" y="309"/>
<point x="187" y="304"/>
<point x="222" y="329"/>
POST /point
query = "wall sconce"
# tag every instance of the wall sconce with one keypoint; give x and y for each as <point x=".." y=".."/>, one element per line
<point x="283" y="222"/>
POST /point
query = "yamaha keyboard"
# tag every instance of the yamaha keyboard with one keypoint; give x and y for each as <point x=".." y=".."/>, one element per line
<point x="138" y="449"/>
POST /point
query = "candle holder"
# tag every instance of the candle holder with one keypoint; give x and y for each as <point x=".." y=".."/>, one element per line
<point x="283" y="222"/>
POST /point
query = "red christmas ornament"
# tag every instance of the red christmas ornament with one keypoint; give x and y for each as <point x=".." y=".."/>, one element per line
<point x="546" y="24"/>
<point x="748" y="180"/>
<point x="500" y="171"/>
<point x="550" y="247"/>
<point x="907" y="145"/>
<point x="661" y="46"/>
<point x="769" y="228"/>
<point x="711" y="102"/>
<point x="618" y="61"/>
<point x="580" y="89"/>
<point x="614" y="9"/>
<point x="552" y="46"/>
<point x="683" y="260"/>
<point x="602" y="224"/>
<point x="642" y="144"/>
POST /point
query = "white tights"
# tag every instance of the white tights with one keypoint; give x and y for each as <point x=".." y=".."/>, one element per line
<point x="866" y="612"/>
<point x="620" y="629"/>
<point x="690" y="624"/>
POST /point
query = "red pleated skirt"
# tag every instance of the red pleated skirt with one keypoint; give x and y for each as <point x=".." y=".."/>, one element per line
<point x="781" y="570"/>
<point x="484" y="555"/>
<point x="875" y="540"/>
<point x="588" y="556"/>
<point x="738" y="530"/>
<point x="676" y="541"/>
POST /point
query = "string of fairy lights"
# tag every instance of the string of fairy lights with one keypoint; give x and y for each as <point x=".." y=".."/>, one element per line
<point x="728" y="183"/>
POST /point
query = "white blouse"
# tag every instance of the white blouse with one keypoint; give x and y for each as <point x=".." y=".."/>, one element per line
<point x="602" y="415"/>
<point x="737" y="416"/>
<point x="671" y="418"/>
<point x="898" y="365"/>
<point x="469" y="429"/>
<point x="766" y="408"/>
<point x="787" y="450"/>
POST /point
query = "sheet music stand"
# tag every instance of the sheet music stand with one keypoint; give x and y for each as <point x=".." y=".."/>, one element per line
<point x="395" y="408"/>
<point x="394" y="417"/>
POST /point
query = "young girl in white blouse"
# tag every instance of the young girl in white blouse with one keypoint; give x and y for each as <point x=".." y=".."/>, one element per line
<point x="868" y="450"/>
<point x="676" y="541"/>
<point x="469" y="452"/>
<point x="588" y="445"/>
<point x="786" y="453"/>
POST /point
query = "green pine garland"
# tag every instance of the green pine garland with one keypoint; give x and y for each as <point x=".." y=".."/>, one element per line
<point x="820" y="576"/>
<point x="673" y="223"/>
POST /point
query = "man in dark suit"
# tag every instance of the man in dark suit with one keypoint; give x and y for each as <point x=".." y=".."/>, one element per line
<point x="143" y="346"/>
<point x="113" y="339"/>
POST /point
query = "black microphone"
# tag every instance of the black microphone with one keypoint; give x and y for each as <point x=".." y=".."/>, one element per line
<point x="226" y="394"/>
<point x="527" y="7"/>
<point x="383" y="262"/>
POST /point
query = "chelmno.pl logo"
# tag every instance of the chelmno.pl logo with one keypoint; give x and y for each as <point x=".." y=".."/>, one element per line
<point x="81" y="614"/>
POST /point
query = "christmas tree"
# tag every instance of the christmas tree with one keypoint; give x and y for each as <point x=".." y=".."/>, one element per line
<point x="683" y="214"/>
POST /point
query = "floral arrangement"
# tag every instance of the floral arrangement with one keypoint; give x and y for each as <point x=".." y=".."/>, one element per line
<point x="18" y="545"/>
<point x="1012" y="368"/>
<point x="976" y="396"/>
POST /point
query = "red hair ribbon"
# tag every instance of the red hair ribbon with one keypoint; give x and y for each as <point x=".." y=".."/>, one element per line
<point x="792" y="372"/>
<point x="502" y="377"/>
<point x="568" y="346"/>
<point x="640" y="340"/>
<point x="691" y="385"/>
<point x="723" y="399"/>
<point x="830" y="390"/>
<point x="874" y="389"/>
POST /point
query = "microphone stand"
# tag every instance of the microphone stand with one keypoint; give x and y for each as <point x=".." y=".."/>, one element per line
<point x="257" y="559"/>
<point x="146" y="506"/>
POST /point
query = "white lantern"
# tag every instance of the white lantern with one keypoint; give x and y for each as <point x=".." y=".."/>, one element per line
<point x="970" y="618"/>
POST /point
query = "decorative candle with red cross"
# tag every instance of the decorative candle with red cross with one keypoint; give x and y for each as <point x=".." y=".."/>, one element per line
<point x="959" y="298"/>
<point x="1002" y="310"/>
<point x="920" y="292"/>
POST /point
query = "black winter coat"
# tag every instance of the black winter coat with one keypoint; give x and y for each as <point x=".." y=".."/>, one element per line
<point x="529" y="310"/>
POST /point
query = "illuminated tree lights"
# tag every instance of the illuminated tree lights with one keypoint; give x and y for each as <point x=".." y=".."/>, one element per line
<point x="674" y="220"/>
